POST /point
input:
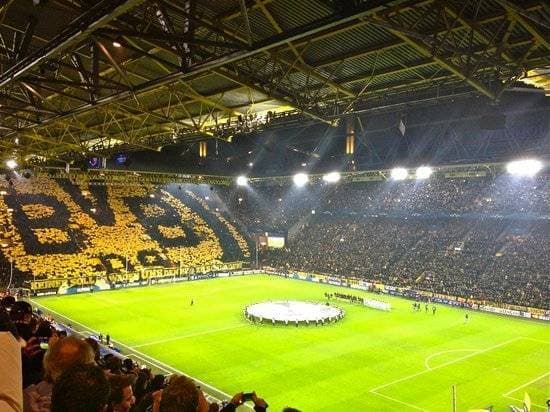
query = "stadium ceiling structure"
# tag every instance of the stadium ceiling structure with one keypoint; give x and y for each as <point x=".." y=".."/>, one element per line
<point x="80" y="77"/>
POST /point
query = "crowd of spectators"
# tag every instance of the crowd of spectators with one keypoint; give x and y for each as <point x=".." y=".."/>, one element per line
<point x="486" y="237"/>
<point x="54" y="228"/>
<point x="45" y="370"/>
<point x="490" y="260"/>
<point x="278" y="207"/>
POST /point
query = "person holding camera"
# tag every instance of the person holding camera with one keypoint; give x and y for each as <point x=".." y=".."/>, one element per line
<point x="260" y="404"/>
<point x="183" y="395"/>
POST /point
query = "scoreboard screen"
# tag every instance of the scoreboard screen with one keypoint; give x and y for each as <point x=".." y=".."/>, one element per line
<point x="275" y="242"/>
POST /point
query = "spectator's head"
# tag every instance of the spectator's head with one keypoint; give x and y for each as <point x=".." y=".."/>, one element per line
<point x="95" y="347"/>
<point x="7" y="302"/>
<point x="21" y="312"/>
<point x="65" y="353"/>
<point x="289" y="409"/>
<point x="122" y="396"/>
<point x="6" y="325"/>
<point x="114" y="365"/>
<point x="158" y="382"/>
<point x="182" y="395"/>
<point x="44" y="329"/>
<point x="128" y="364"/>
<point x="142" y="382"/>
<point x="21" y="315"/>
<point x="81" y="388"/>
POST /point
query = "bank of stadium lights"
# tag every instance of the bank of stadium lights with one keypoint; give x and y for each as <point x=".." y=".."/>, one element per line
<point x="12" y="164"/>
<point x="242" y="181"/>
<point x="399" y="173"/>
<point x="332" y="177"/>
<point x="524" y="167"/>
<point x="424" y="172"/>
<point x="300" y="179"/>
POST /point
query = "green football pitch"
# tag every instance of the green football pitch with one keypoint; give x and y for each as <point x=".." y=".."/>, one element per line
<point x="370" y="361"/>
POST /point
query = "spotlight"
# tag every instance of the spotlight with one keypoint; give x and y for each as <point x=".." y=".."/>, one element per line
<point x="399" y="173"/>
<point x="117" y="45"/>
<point x="524" y="167"/>
<point x="250" y="164"/>
<point x="242" y="181"/>
<point x="423" y="172"/>
<point x="300" y="179"/>
<point x="12" y="164"/>
<point x="331" y="177"/>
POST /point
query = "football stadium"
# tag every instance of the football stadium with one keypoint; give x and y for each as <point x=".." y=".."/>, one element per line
<point x="274" y="205"/>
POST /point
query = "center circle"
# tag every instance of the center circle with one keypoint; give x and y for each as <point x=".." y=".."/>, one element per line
<point x="293" y="311"/>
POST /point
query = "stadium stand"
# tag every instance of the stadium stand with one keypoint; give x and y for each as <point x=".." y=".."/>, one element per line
<point x="481" y="238"/>
<point x="56" y="229"/>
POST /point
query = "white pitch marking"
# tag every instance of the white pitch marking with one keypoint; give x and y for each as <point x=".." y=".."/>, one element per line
<point x="189" y="335"/>
<point x="141" y="355"/>
<point x="422" y="372"/>
<point x="433" y="355"/>
<point x="527" y="384"/>
<point x="521" y="400"/>
<point x="398" y="401"/>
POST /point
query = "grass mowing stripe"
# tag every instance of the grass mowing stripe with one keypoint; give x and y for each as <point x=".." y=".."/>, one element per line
<point x="189" y="335"/>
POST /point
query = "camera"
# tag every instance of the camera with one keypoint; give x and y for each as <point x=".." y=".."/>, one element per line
<point x="44" y="342"/>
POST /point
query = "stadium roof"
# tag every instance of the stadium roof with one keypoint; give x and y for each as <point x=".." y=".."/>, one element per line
<point x="81" y="76"/>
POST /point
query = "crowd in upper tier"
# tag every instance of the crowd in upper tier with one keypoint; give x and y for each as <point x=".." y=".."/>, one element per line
<point x="275" y="207"/>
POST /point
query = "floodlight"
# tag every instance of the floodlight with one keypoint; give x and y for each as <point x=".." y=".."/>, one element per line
<point x="117" y="44"/>
<point x="331" y="177"/>
<point x="524" y="167"/>
<point x="12" y="164"/>
<point x="300" y="179"/>
<point x="423" y="172"/>
<point x="242" y="181"/>
<point x="399" y="173"/>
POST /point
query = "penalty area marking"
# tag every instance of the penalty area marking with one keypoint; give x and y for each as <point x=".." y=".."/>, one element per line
<point x="422" y="372"/>
<point x="507" y="394"/>
<point x="536" y="405"/>
<point x="433" y="355"/>
<point x="140" y="355"/>
<point x="410" y="405"/>
<point x="375" y="390"/>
